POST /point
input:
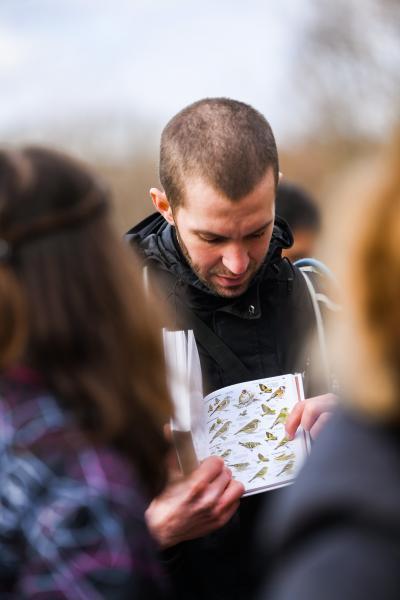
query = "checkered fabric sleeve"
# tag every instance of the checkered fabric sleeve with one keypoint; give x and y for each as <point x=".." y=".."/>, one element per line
<point x="71" y="514"/>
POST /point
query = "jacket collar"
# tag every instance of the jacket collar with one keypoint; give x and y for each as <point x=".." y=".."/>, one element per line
<point x="156" y="241"/>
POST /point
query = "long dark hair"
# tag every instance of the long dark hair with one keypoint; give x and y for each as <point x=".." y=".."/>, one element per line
<point x="72" y="306"/>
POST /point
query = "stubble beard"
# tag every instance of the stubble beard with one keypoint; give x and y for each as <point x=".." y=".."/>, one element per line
<point x="218" y="290"/>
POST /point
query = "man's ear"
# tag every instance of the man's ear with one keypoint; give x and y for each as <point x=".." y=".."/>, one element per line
<point x="162" y="205"/>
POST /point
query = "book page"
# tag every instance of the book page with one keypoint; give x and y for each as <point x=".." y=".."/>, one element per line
<point x="188" y="424"/>
<point x="198" y="423"/>
<point x="246" y="427"/>
<point x="176" y="356"/>
<point x="175" y="349"/>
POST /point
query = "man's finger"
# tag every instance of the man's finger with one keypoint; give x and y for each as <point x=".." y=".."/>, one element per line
<point x="231" y="495"/>
<point x="215" y="490"/>
<point x="320" y="424"/>
<point x="228" y="513"/>
<point x="294" y="419"/>
<point x="229" y="502"/>
<point x="307" y="412"/>
<point x="209" y="469"/>
<point x="314" y="407"/>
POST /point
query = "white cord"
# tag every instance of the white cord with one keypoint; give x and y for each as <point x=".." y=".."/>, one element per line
<point x="320" y="327"/>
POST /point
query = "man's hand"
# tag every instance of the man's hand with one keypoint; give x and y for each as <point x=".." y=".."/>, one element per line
<point x="311" y="414"/>
<point x="195" y="505"/>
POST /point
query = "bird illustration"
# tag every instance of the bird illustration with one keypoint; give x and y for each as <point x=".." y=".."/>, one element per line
<point x="281" y="418"/>
<point x="245" y="398"/>
<point x="240" y="466"/>
<point x="226" y="453"/>
<point x="285" y="440"/>
<point x="250" y="445"/>
<point x="260" y="474"/>
<point x="270" y="437"/>
<point x="243" y="414"/>
<point x="283" y="457"/>
<point x="287" y="469"/>
<point x="223" y="404"/>
<point x="251" y="427"/>
<point x="262" y="458"/>
<point x="278" y="393"/>
<point x="264" y="389"/>
<point x="267" y="410"/>
<point x="222" y="430"/>
<point x="214" y="425"/>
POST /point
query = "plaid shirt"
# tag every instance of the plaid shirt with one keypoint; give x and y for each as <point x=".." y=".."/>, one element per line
<point x="71" y="515"/>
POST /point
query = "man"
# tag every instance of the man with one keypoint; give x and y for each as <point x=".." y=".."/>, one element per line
<point x="302" y="215"/>
<point x="214" y="247"/>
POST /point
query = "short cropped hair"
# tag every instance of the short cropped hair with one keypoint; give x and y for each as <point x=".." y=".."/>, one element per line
<point x="227" y="143"/>
<point x="297" y="207"/>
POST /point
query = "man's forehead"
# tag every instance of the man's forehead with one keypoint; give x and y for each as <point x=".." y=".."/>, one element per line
<point x="209" y="212"/>
<point x="196" y="186"/>
<point x="199" y="194"/>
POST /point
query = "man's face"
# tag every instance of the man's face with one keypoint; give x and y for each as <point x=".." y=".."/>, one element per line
<point x="225" y="241"/>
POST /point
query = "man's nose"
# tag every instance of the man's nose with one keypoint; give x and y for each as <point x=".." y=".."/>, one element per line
<point x="236" y="259"/>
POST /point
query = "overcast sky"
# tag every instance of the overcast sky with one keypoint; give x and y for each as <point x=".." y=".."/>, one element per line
<point x="119" y="63"/>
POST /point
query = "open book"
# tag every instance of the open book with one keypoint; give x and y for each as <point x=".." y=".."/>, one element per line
<point x="243" y="423"/>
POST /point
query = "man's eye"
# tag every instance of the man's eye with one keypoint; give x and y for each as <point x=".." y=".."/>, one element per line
<point x="258" y="235"/>
<point x="212" y="240"/>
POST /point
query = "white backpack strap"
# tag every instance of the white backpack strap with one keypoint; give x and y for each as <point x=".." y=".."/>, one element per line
<point x="320" y="327"/>
<point x="319" y="296"/>
<point x="308" y="266"/>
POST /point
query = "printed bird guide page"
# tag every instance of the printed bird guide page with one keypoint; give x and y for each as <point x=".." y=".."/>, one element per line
<point x="243" y="423"/>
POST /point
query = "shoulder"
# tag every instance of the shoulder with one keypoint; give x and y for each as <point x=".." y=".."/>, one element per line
<point x="87" y="524"/>
<point x="75" y="504"/>
<point x="283" y="284"/>
<point x="282" y="270"/>
<point x="349" y="458"/>
<point x="339" y="515"/>
<point x="92" y="492"/>
<point x="42" y="442"/>
<point x="28" y="412"/>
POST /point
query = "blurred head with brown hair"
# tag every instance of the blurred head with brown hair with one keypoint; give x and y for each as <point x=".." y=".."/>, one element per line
<point x="368" y="343"/>
<point x="73" y="308"/>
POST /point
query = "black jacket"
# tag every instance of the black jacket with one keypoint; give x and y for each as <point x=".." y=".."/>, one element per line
<point x="336" y="533"/>
<point x="264" y="329"/>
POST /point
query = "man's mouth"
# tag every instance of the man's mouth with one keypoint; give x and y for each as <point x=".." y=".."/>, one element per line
<point x="229" y="281"/>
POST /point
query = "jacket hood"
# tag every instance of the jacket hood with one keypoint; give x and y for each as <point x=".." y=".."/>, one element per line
<point x="156" y="241"/>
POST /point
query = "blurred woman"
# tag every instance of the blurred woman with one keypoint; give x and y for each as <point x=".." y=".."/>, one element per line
<point x="337" y="535"/>
<point x="82" y="391"/>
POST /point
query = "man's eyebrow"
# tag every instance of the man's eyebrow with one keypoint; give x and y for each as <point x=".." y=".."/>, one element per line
<point x="260" y="229"/>
<point x="222" y="237"/>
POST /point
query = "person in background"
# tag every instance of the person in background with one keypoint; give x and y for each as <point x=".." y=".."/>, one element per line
<point x="83" y="394"/>
<point x="337" y="534"/>
<point x="302" y="214"/>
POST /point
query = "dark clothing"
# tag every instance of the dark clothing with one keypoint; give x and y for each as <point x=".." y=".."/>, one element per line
<point x="71" y="511"/>
<point x="337" y="531"/>
<point x="264" y="329"/>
